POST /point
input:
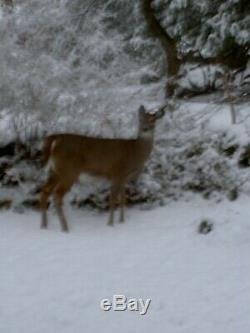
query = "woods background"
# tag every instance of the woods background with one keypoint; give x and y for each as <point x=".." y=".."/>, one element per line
<point x="86" y="66"/>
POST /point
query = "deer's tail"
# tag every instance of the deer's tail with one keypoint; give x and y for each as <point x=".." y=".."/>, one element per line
<point x="46" y="150"/>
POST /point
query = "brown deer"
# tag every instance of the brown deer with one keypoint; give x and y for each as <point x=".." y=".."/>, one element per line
<point x="118" y="160"/>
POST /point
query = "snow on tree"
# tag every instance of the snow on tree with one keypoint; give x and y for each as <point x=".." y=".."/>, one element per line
<point x="85" y="67"/>
<point x="209" y="32"/>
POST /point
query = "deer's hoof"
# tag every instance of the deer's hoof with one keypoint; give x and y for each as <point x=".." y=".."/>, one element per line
<point x="110" y="224"/>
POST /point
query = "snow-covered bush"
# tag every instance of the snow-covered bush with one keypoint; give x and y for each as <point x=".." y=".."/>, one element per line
<point x="85" y="67"/>
<point x="196" y="150"/>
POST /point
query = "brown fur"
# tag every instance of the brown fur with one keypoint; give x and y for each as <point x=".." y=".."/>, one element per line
<point x="117" y="160"/>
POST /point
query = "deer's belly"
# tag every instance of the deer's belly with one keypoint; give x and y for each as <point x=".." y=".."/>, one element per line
<point x="88" y="180"/>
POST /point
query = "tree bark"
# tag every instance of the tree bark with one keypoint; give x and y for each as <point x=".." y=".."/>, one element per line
<point x="8" y="3"/>
<point x="168" y="44"/>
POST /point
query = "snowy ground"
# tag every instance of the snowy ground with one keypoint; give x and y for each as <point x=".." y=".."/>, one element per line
<point x="54" y="282"/>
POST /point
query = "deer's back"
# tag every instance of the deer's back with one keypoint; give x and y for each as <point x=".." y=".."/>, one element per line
<point x="110" y="158"/>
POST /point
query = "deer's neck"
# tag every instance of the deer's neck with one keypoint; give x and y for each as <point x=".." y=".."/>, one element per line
<point x="147" y="136"/>
<point x="145" y="143"/>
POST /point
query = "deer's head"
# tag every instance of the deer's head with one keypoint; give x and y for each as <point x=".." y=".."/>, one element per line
<point x="148" y="119"/>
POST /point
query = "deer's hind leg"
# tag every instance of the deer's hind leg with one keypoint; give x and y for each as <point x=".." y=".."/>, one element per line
<point x="61" y="189"/>
<point x="46" y="191"/>
<point x="112" y="198"/>
<point x="114" y="193"/>
<point x="122" y="204"/>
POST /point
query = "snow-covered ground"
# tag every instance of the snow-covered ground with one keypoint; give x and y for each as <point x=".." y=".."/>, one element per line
<point x="53" y="282"/>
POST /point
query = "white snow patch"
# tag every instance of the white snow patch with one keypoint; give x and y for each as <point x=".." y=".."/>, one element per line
<point x="54" y="282"/>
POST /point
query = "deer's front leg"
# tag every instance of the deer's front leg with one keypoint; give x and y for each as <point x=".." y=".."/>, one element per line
<point x="112" y="200"/>
<point x="43" y="205"/>
<point x="59" y="194"/>
<point x="122" y="204"/>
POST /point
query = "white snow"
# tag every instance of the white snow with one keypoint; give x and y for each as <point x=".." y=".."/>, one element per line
<point x="53" y="282"/>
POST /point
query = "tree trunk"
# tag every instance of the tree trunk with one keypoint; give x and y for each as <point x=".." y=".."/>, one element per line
<point x="8" y="3"/>
<point x="168" y="44"/>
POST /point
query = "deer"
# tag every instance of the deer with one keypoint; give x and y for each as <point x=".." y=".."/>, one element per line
<point x="117" y="160"/>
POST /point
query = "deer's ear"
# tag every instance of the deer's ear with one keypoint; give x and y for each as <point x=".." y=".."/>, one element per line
<point x="142" y="110"/>
<point x="160" y="113"/>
